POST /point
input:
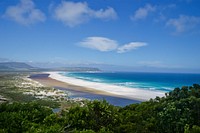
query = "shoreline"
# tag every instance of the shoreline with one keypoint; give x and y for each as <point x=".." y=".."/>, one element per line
<point x="106" y="89"/>
<point x="82" y="92"/>
<point x="48" y="81"/>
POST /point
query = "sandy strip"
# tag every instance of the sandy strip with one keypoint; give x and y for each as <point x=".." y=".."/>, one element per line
<point x="125" y="92"/>
<point x="47" y="81"/>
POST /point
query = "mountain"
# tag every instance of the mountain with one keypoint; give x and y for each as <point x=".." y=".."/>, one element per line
<point x="20" y="66"/>
<point x="14" y="66"/>
<point x="5" y="60"/>
<point x="74" y="69"/>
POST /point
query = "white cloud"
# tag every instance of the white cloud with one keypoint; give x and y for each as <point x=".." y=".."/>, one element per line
<point x="105" y="44"/>
<point x="130" y="46"/>
<point x="99" y="43"/>
<point x="105" y="14"/>
<point x="184" y="23"/>
<point x="25" y="13"/>
<point x="143" y="12"/>
<point x="72" y="14"/>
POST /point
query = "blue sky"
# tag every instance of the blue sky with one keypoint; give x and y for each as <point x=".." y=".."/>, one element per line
<point x="134" y="33"/>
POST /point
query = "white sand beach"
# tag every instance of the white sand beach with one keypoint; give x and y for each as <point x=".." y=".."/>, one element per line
<point x="125" y="92"/>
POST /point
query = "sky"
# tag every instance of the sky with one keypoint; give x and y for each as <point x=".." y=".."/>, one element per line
<point x="154" y="34"/>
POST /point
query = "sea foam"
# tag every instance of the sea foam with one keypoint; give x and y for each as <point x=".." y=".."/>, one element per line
<point x="121" y="91"/>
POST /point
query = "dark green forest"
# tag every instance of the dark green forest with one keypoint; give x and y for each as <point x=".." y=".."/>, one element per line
<point x="177" y="112"/>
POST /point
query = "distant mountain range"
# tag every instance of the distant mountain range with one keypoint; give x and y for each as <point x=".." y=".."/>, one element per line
<point x="14" y="66"/>
<point x="9" y="65"/>
<point x="20" y="66"/>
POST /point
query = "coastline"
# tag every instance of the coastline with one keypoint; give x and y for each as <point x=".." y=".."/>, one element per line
<point x="105" y="89"/>
<point x="78" y="92"/>
<point x="46" y="80"/>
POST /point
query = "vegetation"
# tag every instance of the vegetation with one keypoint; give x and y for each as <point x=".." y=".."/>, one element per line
<point x="30" y="117"/>
<point x="178" y="111"/>
<point x="16" y="87"/>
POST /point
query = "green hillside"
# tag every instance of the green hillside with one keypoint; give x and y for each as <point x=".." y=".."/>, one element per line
<point x="177" y="112"/>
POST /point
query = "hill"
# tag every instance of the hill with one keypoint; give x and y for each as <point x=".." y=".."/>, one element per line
<point x="14" y="66"/>
<point x="20" y="66"/>
<point x="177" y="112"/>
<point x="74" y="69"/>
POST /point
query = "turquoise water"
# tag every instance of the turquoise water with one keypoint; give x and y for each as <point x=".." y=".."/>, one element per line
<point x="150" y="81"/>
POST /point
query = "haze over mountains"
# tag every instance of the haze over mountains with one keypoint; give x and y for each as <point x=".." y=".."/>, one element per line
<point x="27" y="66"/>
<point x="15" y="66"/>
<point x="20" y="66"/>
<point x="12" y="65"/>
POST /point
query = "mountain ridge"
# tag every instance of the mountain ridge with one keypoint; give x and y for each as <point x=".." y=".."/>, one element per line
<point x="21" y="66"/>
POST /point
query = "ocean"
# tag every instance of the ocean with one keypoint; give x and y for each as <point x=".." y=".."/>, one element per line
<point x="149" y="81"/>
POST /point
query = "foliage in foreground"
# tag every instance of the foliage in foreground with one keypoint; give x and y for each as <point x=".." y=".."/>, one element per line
<point x="178" y="112"/>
